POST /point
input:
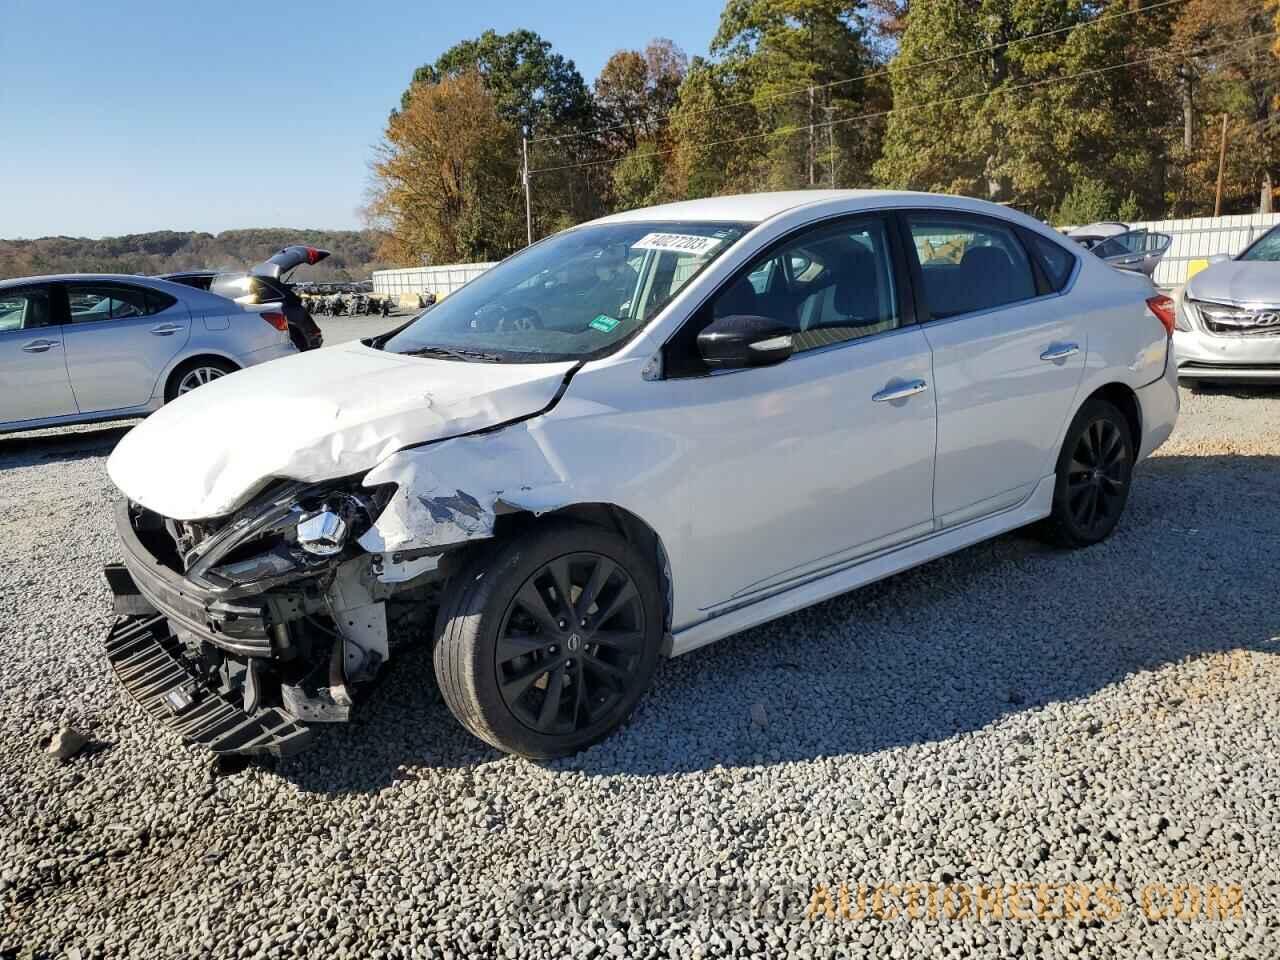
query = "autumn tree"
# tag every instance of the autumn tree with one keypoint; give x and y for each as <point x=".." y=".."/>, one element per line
<point x="445" y="180"/>
<point x="1229" y="69"/>
<point x="541" y="94"/>
<point x="635" y="93"/>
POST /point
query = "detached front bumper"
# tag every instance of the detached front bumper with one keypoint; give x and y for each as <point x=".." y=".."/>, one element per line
<point x="150" y="663"/>
<point x="175" y="642"/>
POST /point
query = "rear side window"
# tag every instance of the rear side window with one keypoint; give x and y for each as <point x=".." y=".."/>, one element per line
<point x="1056" y="260"/>
<point x="969" y="263"/>
<point x="90" y="302"/>
<point x="157" y="301"/>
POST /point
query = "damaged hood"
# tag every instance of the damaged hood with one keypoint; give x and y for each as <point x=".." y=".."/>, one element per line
<point x="314" y="416"/>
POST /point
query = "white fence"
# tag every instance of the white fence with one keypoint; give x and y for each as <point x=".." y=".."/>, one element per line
<point x="1198" y="238"/>
<point x="441" y="281"/>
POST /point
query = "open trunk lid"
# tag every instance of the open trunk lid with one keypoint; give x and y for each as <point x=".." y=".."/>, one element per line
<point x="295" y="255"/>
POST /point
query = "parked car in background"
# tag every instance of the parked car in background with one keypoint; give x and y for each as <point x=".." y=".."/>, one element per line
<point x="83" y="347"/>
<point x="1138" y="250"/>
<point x="628" y="440"/>
<point x="266" y="283"/>
<point x="1228" y="317"/>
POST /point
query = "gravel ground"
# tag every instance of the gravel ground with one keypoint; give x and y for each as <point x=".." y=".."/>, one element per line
<point x="1009" y="714"/>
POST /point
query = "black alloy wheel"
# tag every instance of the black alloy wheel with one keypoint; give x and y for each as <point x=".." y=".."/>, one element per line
<point x="1094" y="475"/>
<point x="1098" y="476"/>
<point x="570" y="644"/>
<point x="547" y="639"/>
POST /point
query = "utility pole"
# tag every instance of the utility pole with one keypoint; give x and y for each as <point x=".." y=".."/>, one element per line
<point x="831" y="141"/>
<point x="813" y="144"/>
<point x="1222" y="162"/>
<point x="524" y="175"/>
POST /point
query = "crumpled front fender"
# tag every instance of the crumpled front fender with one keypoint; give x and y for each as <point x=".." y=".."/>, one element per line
<point x="448" y="493"/>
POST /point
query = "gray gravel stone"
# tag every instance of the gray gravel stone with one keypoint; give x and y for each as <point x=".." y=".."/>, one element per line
<point x="66" y="743"/>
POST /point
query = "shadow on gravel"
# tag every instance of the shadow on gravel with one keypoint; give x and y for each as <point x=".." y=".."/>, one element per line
<point x="28" y="449"/>
<point x="1006" y="626"/>
<point x="1240" y="391"/>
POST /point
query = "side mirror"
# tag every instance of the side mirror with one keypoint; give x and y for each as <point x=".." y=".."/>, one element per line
<point x="743" y="340"/>
<point x="1219" y="257"/>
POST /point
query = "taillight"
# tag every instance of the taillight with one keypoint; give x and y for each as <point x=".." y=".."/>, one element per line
<point x="278" y="320"/>
<point x="1163" y="308"/>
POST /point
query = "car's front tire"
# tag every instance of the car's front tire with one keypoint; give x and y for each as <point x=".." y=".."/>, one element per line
<point x="547" y="641"/>
<point x="1094" y="472"/>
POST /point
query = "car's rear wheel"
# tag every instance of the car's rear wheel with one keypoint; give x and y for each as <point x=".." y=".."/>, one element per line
<point x="1094" y="472"/>
<point x="547" y="641"/>
<point x="196" y="373"/>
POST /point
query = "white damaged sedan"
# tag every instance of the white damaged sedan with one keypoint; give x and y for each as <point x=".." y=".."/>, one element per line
<point x="634" y="438"/>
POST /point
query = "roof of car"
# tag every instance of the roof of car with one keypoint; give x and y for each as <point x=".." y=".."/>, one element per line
<point x="166" y="285"/>
<point x="67" y="277"/>
<point x="758" y="207"/>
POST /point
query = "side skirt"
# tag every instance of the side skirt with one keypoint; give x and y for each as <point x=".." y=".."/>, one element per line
<point x="865" y="571"/>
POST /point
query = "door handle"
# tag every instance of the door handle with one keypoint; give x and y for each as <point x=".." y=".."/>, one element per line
<point x="39" y="346"/>
<point x="900" y="391"/>
<point x="166" y="329"/>
<point x="1060" y="351"/>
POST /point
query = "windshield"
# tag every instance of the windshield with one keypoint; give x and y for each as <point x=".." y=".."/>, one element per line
<point x="576" y="295"/>
<point x="1267" y="247"/>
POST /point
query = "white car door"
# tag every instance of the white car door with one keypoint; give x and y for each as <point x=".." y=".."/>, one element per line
<point x="1008" y="357"/>
<point x="33" y="368"/>
<point x="119" y="339"/>
<point x="823" y="457"/>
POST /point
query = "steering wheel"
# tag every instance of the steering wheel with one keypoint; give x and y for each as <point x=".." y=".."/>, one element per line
<point x="518" y="319"/>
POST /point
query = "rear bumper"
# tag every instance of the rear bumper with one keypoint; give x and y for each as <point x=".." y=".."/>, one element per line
<point x="273" y="352"/>
<point x="1159" y="404"/>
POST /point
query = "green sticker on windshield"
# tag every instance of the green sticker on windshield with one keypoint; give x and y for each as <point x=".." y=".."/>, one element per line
<point x="604" y="323"/>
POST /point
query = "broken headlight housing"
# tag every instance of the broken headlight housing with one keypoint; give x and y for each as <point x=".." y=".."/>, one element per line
<point x="292" y="531"/>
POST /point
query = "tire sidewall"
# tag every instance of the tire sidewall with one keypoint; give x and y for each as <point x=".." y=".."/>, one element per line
<point x="1093" y="410"/>
<point x="486" y="589"/>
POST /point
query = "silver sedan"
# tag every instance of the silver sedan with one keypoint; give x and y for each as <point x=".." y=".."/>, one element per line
<point x="1228" y="317"/>
<point x="84" y="347"/>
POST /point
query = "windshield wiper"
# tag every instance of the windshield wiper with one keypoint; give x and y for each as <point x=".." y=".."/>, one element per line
<point x="455" y="353"/>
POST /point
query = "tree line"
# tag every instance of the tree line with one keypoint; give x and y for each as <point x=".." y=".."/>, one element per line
<point x="1072" y="110"/>
<point x="354" y="253"/>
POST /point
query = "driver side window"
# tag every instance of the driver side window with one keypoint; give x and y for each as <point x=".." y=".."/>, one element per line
<point x="829" y="284"/>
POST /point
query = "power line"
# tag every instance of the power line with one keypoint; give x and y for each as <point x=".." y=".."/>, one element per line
<point x="797" y="128"/>
<point x="885" y="71"/>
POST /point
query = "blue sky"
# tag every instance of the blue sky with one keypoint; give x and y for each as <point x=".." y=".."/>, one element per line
<point x="139" y="115"/>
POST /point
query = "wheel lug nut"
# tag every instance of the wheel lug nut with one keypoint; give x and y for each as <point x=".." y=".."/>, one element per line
<point x="584" y="623"/>
<point x="552" y="648"/>
<point x="563" y="624"/>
